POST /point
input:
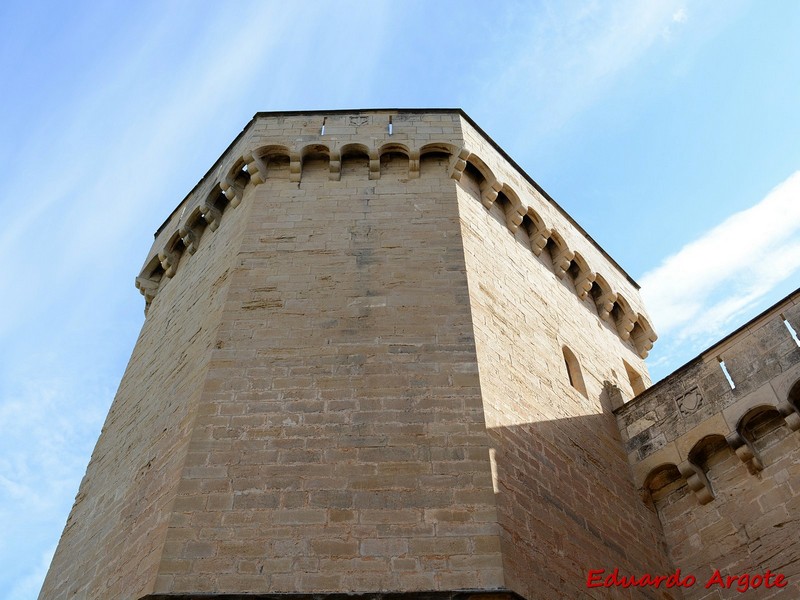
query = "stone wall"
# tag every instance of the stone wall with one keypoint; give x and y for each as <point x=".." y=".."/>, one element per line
<point x="340" y="443"/>
<point x="565" y="498"/>
<point x="377" y="357"/>
<point x="111" y="545"/>
<point x="720" y="465"/>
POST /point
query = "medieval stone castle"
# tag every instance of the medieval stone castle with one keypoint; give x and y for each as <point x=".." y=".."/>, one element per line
<point x="380" y="360"/>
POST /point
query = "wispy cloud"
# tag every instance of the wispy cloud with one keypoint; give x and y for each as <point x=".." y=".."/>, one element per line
<point x="695" y="294"/>
<point x="569" y="54"/>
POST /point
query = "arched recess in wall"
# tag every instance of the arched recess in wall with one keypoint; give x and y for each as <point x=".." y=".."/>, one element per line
<point x="634" y="378"/>
<point x="315" y="162"/>
<point x="574" y="372"/>
<point x="395" y="160"/>
<point x="761" y="424"/>
<point x="275" y="159"/>
<point x="355" y="160"/>
<point x="708" y="450"/>
<point x="662" y="480"/>
<point x="435" y="157"/>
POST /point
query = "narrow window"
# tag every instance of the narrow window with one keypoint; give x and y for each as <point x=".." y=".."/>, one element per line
<point x="791" y="330"/>
<point x="725" y="372"/>
<point x="637" y="383"/>
<point x="574" y="371"/>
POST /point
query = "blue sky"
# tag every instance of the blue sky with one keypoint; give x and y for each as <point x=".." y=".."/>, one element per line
<point x="669" y="130"/>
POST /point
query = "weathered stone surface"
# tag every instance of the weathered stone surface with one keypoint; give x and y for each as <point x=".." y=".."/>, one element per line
<point x="371" y="363"/>
<point x="739" y="449"/>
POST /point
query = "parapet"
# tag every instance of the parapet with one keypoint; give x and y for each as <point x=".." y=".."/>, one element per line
<point x="278" y="145"/>
<point x="730" y="396"/>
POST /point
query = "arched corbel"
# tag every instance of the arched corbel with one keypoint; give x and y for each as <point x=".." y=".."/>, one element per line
<point x="644" y="336"/>
<point x="458" y="163"/>
<point x="697" y="481"/>
<point x="490" y="188"/>
<point x="562" y="256"/>
<point x="789" y="413"/>
<point x="335" y="173"/>
<point x="584" y="278"/>
<point x="745" y="450"/>
<point x="256" y="168"/>
<point x="169" y="261"/>
<point x="148" y="288"/>
<point x="190" y="238"/>
<point x="538" y="233"/>
<point x="232" y="193"/>
<point x="605" y="303"/>
<point x="374" y="164"/>
<point x="295" y="167"/>
<point x="413" y="164"/>
<point x="212" y="215"/>
<point x="625" y="320"/>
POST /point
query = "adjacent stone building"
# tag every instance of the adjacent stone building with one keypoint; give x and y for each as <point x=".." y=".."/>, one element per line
<point x="379" y="359"/>
<point x="714" y="453"/>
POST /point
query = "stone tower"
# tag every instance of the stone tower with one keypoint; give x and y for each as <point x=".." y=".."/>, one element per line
<point x="377" y="358"/>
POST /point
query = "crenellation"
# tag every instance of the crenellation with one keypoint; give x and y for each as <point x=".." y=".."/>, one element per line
<point x="729" y="445"/>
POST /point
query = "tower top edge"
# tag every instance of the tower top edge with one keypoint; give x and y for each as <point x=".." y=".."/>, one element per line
<point x="459" y="112"/>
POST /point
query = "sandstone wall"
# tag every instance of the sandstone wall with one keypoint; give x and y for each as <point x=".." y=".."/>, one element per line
<point x="335" y="316"/>
<point x="340" y="443"/>
<point x="111" y="545"/>
<point x="720" y="465"/>
<point x="565" y="497"/>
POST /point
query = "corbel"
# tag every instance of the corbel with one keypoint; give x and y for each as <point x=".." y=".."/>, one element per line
<point x="697" y="481"/>
<point x="605" y="304"/>
<point x="413" y="164"/>
<point x="212" y="215"/>
<point x="489" y="191"/>
<point x="614" y="394"/>
<point x="514" y="217"/>
<point x="189" y="237"/>
<point x="583" y="282"/>
<point x="295" y="167"/>
<point x="148" y="288"/>
<point x="458" y="164"/>
<point x="233" y="194"/>
<point x="256" y="168"/>
<point x="539" y="239"/>
<point x="562" y="258"/>
<point x="789" y="414"/>
<point x="746" y="452"/>
<point x="169" y="261"/>
<point x="644" y="342"/>
<point x="625" y="324"/>
<point x="335" y="169"/>
<point x="374" y="165"/>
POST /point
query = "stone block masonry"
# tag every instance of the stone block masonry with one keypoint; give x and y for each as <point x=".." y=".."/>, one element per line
<point x="716" y="455"/>
<point x="374" y="362"/>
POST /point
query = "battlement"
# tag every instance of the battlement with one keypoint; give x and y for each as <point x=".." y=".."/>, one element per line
<point x="714" y="399"/>
<point x="361" y="143"/>
<point x="714" y="450"/>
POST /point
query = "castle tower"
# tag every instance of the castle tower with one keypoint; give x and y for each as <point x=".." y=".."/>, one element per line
<point x="377" y="357"/>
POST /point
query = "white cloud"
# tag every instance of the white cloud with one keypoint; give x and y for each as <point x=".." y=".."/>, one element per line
<point x="680" y="15"/>
<point x="569" y="56"/>
<point x="695" y="293"/>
